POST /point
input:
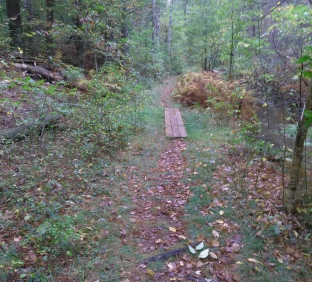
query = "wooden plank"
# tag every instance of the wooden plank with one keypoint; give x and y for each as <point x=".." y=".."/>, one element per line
<point x="179" y="118"/>
<point x="181" y="124"/>
<point x="168" y="123"/>
<point x="174" y="123"/>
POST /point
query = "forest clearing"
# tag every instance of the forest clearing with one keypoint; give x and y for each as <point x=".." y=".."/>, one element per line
<point x="155" y="141"/>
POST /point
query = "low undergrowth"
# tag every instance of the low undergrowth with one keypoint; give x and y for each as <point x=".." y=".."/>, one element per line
<point x="237" y="208"/>
<point x="69" y="198"/>
<point x="62" y="191"/>
<point x="227" y="99"/>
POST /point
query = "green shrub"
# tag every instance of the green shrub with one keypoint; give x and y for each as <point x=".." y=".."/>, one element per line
<point x="113" y="111"/>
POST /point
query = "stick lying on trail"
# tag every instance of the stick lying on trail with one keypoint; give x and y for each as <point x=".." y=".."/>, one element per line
<point x="171" y="253"/>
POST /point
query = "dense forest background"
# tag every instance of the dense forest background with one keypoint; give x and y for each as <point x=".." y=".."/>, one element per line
<point x="155" y="37"/>
<point x="76" y="72"/>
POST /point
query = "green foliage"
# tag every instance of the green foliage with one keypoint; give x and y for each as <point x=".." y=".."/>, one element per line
<point x="113" y="112"/>
<point x="55" y="236"/>
<point x="149" y="64"/>
<point x="72" y="74"/>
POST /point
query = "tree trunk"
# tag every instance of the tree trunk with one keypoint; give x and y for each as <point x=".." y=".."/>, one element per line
<point x="155" y="22"/>
<point x="109" y="39"/>
<point x="21" y="131"/>
<point x="52" y="76"/>
<point x="29" y="28"/>
<point x="185" y="9"/>
<point x="205" y="66"/>
<point x="291" y="191"/>
<point x="231" y="67"/>
<point x="49" y="23"/>
<point x="15" y="22"/>
<point x="79" y="44"/>
<point x="170" y="28"/>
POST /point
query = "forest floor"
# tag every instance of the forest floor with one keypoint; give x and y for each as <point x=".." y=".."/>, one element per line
<point x="132" y="217"/>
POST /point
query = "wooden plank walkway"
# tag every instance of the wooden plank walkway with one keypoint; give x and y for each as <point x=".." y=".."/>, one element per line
<point x="174" y="123"/>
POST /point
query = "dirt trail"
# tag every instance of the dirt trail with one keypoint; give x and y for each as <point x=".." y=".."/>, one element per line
<point x="160" y="196"/>
<point x="160" y="219"/>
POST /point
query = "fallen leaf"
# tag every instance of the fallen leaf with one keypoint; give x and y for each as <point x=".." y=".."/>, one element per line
<point x="215" y="233"/>
<point x="171" y="266"/>
<point x="189" y="265"/>
<point x="199" y="264"/>
<point x="213" y="255"/>
<point x="204" y="254"/>
<point x="253" y="260"/>
<point x="200" y="237"/>
<point x="17" y="239"/>
<point x="182" y="237"/>
<point x="158" y="241"/>
<point x="200" y="246"/>
<point x="150" y="272"/>
<point x="192" y="250"/>
<point x="215" y="243"/>
<point x="172" y="229"/>
<point x="221" y="212"/>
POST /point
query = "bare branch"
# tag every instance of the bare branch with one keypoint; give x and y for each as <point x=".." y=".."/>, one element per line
<point x="273" y="9"/>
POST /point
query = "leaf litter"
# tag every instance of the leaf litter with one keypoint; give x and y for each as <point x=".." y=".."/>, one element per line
<point x="254" y="194"/>
<point x="160" y="221"/>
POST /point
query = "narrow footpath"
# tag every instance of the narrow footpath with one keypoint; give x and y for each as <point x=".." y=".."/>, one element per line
<point x="160" y="196"/>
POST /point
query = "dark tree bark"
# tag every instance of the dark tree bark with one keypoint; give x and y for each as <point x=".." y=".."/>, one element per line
<point x="231" y="67"/>
<point x="15" y="22"/>
<point x="291" y="191"/>
<point x="79" y="43"/>
<point x="52" y="76"/>
<point x="50" y="21"/>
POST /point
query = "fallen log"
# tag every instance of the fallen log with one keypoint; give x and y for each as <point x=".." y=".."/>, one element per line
<point x="20" y="132"/>
<point x="40" y="71"/>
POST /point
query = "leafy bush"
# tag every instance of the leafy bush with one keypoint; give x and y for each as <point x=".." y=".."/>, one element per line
<point x="208" y="89"/>
<point x="55" y="236"/>
<point x="112" y="114"/>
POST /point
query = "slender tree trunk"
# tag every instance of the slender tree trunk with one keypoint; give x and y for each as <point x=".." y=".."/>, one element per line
<point x="231" y="67"/>
<point x="50" y="21"/>
<point x="205" y="60"/>
<point x="15" y="22"/>
<point x="170" y="28"/>
<point x="28" y="27"/>
<point x="155" y="22"/>
<point x="185" y="9"/>
<point x="109" y="38"/>
<point x="291" y="191"/>
<point x="79" y="44"/>
<point x="124" y="34"/>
